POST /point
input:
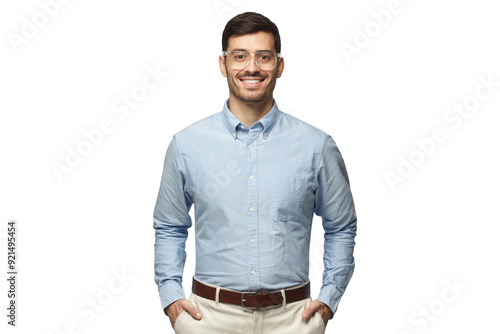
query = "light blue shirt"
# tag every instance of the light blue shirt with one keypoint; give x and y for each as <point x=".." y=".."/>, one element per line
<point x="254" y="191"/>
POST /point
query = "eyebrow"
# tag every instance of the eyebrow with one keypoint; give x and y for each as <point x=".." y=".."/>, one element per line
<point x="245" y="50"/>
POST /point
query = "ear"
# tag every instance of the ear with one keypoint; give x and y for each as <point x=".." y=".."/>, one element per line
<point x="281" y="67"/>
<point x="222" y="66"/>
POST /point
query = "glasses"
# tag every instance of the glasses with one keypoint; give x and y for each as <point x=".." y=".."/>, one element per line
<point x="240" y="59"/>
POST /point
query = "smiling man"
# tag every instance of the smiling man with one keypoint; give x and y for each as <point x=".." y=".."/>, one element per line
<point x="256" y="177"/>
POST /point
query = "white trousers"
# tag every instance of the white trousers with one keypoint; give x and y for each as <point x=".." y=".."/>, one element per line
<point x="223" y="318"/>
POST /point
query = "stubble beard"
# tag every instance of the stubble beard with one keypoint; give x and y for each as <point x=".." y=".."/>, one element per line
<point x="252" y="98"/>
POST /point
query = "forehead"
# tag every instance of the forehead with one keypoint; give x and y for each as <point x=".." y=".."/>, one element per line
<point x="252" y="42"/>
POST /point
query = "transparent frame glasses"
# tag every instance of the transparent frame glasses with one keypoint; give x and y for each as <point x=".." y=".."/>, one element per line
<point x="254" y="56"/>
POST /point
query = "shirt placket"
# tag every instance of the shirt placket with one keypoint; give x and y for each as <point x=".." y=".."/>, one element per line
<point x="252" y="204"/>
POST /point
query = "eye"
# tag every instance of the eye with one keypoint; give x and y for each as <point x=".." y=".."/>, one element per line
<point x="239" y="56"/>
<point x="265" y="57"/>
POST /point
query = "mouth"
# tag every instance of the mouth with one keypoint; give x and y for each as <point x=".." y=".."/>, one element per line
<point x="251" y="82"/>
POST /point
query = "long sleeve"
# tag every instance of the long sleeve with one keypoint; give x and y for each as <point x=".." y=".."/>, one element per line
<point x="334" y="203"/>
<point x="171" y="222"/>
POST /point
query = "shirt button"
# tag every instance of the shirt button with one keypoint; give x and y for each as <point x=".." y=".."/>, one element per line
<point x="265" y="134"/>
<point x="242" y="126"/>
<point x="234" y="134"/>
<point x="252" y="240"/>
<point x="251" y="177"/>
<point x="250" y="146"/>
<point x="252" y="209"/>
<point x="252" y="272"/>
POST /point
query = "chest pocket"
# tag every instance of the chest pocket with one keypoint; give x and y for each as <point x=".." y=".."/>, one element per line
<point x="288" y="198"/>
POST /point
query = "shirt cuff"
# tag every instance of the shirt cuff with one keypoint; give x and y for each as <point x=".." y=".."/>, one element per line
<point x="330" y="296"/>
<point x="170" y="292"/>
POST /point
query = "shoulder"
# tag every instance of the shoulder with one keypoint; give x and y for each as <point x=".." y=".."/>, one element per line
<point x="303" y="130"/>
<point x="199" y="129"/>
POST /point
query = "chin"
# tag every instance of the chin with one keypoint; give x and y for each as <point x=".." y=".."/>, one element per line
<point x="253" y="98"/>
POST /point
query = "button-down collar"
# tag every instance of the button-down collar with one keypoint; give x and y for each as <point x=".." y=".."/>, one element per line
<point x="267" y="122"/>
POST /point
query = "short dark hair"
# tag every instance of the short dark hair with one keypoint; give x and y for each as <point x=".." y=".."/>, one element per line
<point x="249" y="23"/>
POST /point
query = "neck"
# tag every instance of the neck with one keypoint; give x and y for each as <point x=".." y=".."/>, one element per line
<point x="249" y="112"/>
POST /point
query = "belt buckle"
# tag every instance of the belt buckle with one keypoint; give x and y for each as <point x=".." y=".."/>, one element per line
<point x="243" y="300"/>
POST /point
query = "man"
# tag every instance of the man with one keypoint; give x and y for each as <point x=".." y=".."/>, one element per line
<point x="256" y="176"/>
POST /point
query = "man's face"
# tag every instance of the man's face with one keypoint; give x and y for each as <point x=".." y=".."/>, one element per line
<point x="251" y="92"/>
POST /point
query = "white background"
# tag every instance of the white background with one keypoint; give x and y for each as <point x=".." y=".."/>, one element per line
<point x="440" y="225"/>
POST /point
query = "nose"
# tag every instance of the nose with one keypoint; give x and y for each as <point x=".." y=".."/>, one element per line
<point x="252" y="65"/>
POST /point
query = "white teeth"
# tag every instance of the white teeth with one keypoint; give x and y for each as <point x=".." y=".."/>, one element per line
<point x="251" y="81"/>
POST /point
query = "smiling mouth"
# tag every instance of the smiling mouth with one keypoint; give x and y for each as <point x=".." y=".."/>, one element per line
<point x="252" y="81"/>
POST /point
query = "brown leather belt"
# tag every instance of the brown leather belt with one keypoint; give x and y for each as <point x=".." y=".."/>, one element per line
<point x="251" y="299"/>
